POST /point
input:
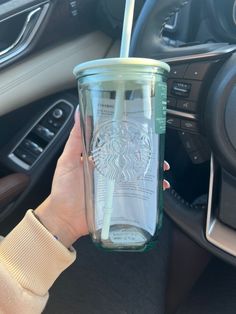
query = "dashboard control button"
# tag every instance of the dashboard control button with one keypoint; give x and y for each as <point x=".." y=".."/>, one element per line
<point x="171" y="102"/>
<point x="181" y="89"/>
<point x="196" y="147"/>
<point x="189" y="89"/>
<point x="178" y="71"/>
<point x="187" y="105"/>
<point x="197" y="157"/>
<point x="197" y="70"/>
<point x="173" y="122"/>
<point x="189" y="141"/>
<point x="57" y="113"/>
<point x="189" y="125"/>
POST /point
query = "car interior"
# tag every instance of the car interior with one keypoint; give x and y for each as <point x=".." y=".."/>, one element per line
<point x="192" y="268"/>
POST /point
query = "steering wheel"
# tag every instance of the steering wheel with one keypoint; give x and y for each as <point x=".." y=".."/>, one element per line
<point x="202" y="100"/>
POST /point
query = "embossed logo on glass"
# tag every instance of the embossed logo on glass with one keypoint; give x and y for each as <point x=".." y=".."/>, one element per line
<point x="121" y="150"/>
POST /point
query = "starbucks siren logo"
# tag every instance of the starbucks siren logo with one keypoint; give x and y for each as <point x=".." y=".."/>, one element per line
<point x="121" y="150"/>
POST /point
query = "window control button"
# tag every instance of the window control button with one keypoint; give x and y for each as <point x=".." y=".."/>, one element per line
<point x="45" y="132"/>
<point x="31" y="146"/>
<point x="24" y="156"/>
<point x="37" y="140"/>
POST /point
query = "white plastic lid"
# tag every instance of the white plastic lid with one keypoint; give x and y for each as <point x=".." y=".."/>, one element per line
<point x="120" y="61"/>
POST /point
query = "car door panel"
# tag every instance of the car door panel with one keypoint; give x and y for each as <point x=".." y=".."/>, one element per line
<point x="24" y="122"/>
<point x="49" y="71"/>
<point x="29" y="90"/>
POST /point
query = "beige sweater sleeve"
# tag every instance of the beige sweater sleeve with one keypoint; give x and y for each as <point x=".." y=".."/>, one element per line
<point x="30" y="261"/>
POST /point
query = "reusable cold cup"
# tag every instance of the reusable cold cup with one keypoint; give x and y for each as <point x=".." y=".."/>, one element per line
<point x="122" y="111"/>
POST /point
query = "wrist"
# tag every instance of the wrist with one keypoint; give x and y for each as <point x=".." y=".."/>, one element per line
<point x="58" y="230"/>
<point x="55" y="226"/>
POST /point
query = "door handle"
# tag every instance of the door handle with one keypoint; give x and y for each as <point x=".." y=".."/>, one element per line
<point x="33" y="20"/>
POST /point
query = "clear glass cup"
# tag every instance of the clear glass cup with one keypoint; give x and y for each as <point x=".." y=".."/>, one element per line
<point x="123" y="121"/>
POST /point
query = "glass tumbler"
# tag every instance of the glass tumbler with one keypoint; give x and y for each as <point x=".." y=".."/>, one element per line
<point x="123" y="122"/>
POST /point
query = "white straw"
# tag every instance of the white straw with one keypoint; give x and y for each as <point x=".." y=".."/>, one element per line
<point x="127" y="28"/>
<point x="118" y="113"/>
<point x="108" y="209"/>
<point x="111" y="183"/>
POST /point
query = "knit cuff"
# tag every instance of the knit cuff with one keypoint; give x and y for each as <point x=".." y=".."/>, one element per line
<point x="33" y="256"/>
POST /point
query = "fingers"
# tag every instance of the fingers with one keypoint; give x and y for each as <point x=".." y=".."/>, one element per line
<point x="166" y="184"/>
<point x="70" y="158"/>
<point x="74" y="143"/>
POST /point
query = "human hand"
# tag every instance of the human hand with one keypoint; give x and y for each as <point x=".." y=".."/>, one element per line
<point x="63" y="212"/>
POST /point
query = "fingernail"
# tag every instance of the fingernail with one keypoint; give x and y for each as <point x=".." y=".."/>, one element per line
<point x="167" y="165"/>
<point x="76" y="113"/>
<point x="166" y="185"/>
